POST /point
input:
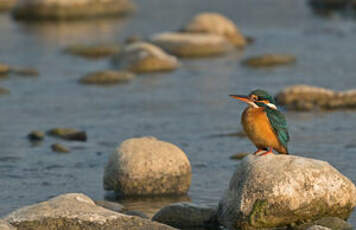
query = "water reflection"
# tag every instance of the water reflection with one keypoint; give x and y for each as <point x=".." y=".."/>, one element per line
<point x="148" y="205"/>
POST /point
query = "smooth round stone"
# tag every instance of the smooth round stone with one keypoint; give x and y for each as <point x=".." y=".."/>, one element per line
<point x="68" y="134"/>
<point x="192" y="44"/>
<point x="107" y="77"/>
<point x="214" y="23"/>
<point x="4" y="69"/>
<point x="36" y="135"/>
<point x="142" y="57"/>
<point x="147" y="166"/>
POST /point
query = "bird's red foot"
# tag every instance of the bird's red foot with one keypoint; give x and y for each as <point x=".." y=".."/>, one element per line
<point x="267" y="152"/>
<point x="259" y="151"/>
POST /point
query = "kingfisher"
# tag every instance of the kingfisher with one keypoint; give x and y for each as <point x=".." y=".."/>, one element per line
<point x="263" y="123"/>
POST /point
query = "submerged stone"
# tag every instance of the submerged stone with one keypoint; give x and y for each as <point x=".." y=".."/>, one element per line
<point x="185" y="215"/>
<point x="68" y="134"/>
<point x="36" y="135"/>
<point x="69" y="9"/>
<point x="93" y="51"/>
<point x="269" y="60"/>
<point x="107" y="77"/>
<point x="59" y="148"/>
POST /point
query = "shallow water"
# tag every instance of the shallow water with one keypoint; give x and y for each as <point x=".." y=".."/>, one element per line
<point x="188" y="107"/>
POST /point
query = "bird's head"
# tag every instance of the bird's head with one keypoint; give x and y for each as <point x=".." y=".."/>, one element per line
<point x="257" y="98"/>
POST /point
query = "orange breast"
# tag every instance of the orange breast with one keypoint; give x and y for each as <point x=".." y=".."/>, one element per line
<point x="259" y="129"/>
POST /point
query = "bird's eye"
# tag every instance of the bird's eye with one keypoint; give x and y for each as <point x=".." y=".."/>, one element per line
<point x="254" y="97"/>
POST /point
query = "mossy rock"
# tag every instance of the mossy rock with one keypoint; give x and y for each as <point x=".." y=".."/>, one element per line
<point x="93" y="51"/>
<point x="36" y="135"/>
<point x="107" y="77"/>
<point x="59" y="148"/>
<point x="68" y="134"/>
<point x="269" y="60"/>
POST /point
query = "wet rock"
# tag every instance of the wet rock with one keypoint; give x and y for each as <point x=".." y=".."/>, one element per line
<point x="333" y="223"/>
<point x="69" y="10"/>
<point x="68" y="134"/>
<point x="305" y="97"/>
<point x="75" y="211"/>
<point x="184" y="215"/>
<point x="4" y="69"/>
<point x="24" y="71"/>
<point x="192" y="44"/>
<point x="141" y="57"/>
<point x="4" y="91"/>
<point x="269" y="60"/>
<point x="107" y="77"/>
<point x="59" y="148"/>
<point x="6" y="5"/>
<point x="239" y="156"/>
<point x="135" y="213"/>
<point x="113" y="206"/>
<point x="6" y="226"/>
<point x="36" y="135"/>
<point x="295" y="189"/>
<point x="332" y="4"/>
<point x="214" y="23"/>
<point x="147" y="166"/>
<point x="93" y="51"/>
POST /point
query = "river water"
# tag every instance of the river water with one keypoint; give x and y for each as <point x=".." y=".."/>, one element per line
<point x="189" y="107"/>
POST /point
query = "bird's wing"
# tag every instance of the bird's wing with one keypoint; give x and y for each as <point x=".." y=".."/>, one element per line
<point x="279" y="125"/>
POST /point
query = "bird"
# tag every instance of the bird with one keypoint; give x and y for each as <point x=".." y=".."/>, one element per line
<point x="263" y="123"/>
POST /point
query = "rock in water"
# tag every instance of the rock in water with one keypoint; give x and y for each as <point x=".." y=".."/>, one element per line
<point x="93" y="51"/>
<point x="68" y="134"/>
<point x="107" y="77"/>
<point x="192" y="44"/>
<point x="69" y="9"/>
<point x="147" y="166"/>
<point x="141" y="57"/>
<point x="269" y="60"/>
<point x="185" y="215"/>
<point x="6" y="5"/>
<point x="306" y="97"/>
<point x="277" y="190"/>
<point x="213" y="23"/>
<point x="75" y="211"/>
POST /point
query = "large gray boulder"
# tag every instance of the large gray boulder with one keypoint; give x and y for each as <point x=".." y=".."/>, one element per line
<point x="214" y="23"/>
<point x="147" y="166"/>
<point x="74" y="211"/>
<point x="142" y="57"/>
<point x="69" y="9"/>
<point x="306" y="97"/>
<point x="185" y="215"/>
<point x="277" y="190"/>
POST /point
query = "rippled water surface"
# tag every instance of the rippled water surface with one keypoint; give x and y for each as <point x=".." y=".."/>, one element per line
<point x="188" y="107"/>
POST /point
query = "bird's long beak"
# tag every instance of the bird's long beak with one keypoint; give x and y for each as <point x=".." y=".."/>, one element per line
<point x="242" y="98"/>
